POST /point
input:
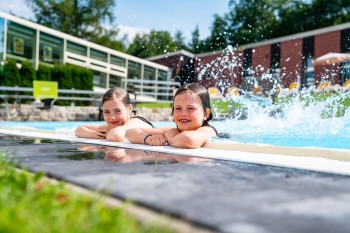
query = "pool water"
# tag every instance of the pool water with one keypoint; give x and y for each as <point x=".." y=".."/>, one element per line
<point x="330" y="133"/>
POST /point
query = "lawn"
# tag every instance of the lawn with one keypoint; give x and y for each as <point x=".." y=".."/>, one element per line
<point x="334" y="104"/>
<point x="30" y="203"/>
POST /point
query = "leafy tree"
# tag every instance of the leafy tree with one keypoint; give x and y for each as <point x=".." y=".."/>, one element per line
<point x="109" y="39"/>
<point x="219" y="37"/>
<point x="27" y="73"/>
<point x="197" y="45"/>
<point x="294" y="14"/>
<point x="317" y="14"/>
<point x="253" y="20"/>
<point x="83" y="19"/>
<point x="152" y="44"/>
<point x="138" y="47"/>
<point x="179" y="40"/>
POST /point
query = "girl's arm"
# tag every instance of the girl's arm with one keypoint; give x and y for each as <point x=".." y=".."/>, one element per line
<point x="117" y="134"/>
<point x="149" y="136"/>
<point x="189" y="139"/>
<point x="92" y="131"/>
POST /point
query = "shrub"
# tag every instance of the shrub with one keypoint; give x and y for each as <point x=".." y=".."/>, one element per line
<point x="44" y="72"/>
<point x="12" y="76"/>
<point x="27" y="73"/>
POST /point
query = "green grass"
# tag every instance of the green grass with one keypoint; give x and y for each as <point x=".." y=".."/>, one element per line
<point x="335" y="104"/>
<point x="153" y="105"/>
<point x="224" y="106"/>
<point x="29" y="204"/>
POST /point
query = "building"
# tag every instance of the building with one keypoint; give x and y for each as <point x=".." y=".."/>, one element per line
<point x="24" y="40"/>
<point x="285" y="61"/>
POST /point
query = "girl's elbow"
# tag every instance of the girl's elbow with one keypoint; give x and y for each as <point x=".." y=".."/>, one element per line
<point x="191" y="143"/>
<point x="116" y="136"/>
<point x="77" y="133"/>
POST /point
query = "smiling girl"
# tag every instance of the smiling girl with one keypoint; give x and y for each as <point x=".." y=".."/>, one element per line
<point x="191" y="114"/>
<point x="117" y="111"/>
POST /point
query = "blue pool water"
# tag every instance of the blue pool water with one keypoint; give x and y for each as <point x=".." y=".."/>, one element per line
<point x="324" y="133"/>
<point x="301" y="122"/>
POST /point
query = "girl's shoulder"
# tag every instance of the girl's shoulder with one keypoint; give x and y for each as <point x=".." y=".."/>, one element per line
<point x="218" y="134"/>
<point x="143" y="119"/>
<point x="206" y="124"/>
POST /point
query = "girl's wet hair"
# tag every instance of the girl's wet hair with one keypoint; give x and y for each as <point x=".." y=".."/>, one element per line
<point x="117" y="93"/>
<point x="199" y="92"/>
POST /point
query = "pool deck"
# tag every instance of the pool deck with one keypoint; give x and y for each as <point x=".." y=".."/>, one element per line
<point x="215" y="194"/>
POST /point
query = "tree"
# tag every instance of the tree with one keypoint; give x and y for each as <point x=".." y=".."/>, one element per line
<point x="152" y="44"/>
<point x="179" y="40"/>
<point x="196" y="45"/>
<point x="84" y="19"/>
<point x="321" y="13"/>
<point x="253" y="20"/>
<point x="109" y="39"/>
<point x="219" y="37"/>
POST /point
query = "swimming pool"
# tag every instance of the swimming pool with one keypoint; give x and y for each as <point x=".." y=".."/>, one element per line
<point x="294" y="132"/>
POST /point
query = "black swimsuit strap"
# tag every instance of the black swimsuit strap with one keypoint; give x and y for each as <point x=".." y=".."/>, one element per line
<point x="143" y="119"/>
<point x="205" y="123"/>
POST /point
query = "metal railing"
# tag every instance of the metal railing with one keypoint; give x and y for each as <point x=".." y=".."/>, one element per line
<point x="19" y="93"/>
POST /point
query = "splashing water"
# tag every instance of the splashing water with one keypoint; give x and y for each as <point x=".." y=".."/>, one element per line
<point x="304" y="119"/>
<point x="293" y="124"/>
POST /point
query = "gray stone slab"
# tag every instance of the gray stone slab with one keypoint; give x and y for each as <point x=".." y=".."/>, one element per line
<point x="221" y="195"/>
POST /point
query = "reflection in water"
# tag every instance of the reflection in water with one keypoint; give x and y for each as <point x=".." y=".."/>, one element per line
<point x="121" y="155"/>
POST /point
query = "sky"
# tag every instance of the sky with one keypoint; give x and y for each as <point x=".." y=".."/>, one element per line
<point x="142" y="16"/>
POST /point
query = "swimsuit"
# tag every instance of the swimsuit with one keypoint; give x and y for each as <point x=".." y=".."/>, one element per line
<point x="220" y="135"/>
<point x="143" y="119"/>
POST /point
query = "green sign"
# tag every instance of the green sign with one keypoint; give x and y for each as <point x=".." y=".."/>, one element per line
<point x="45" y="89"/>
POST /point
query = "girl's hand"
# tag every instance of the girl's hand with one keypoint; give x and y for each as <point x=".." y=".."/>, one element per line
<point x="171" y="133"/>
<point x="101" y="132"/>
<point x="156" y="140"/>
<point x="103" y="129"/>
<point x="100" y="135"/>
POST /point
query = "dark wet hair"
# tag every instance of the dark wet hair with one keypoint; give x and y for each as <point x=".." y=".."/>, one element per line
<point x="199" y="92"/>
<point x="118" y="93"/>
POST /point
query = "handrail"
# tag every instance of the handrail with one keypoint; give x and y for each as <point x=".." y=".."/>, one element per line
<point x="93" y="96"/>
<point x="65" y="91"/>
<point x="16" y="88"/>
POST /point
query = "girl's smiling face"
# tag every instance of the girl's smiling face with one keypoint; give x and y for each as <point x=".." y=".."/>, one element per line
<point x="115" y="113"/>
<point x="188" y="112"/>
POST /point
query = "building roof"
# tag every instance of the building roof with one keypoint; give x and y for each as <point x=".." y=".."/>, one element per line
<point x="54" y="32"/>
<point x="283" y="38"/>
<point x="179" y="52"/>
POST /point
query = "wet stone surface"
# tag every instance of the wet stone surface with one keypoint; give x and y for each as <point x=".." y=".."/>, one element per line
<point x="224" y="196"/>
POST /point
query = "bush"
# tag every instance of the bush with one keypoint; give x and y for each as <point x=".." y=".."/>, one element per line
<point x="67" y="77"/>
<point x="12" y="76"/>
<point x="2" y="74"/>
<point x="44" y="72"/>
<point x="27" y="73"/>
<point x="83" y="80"/>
